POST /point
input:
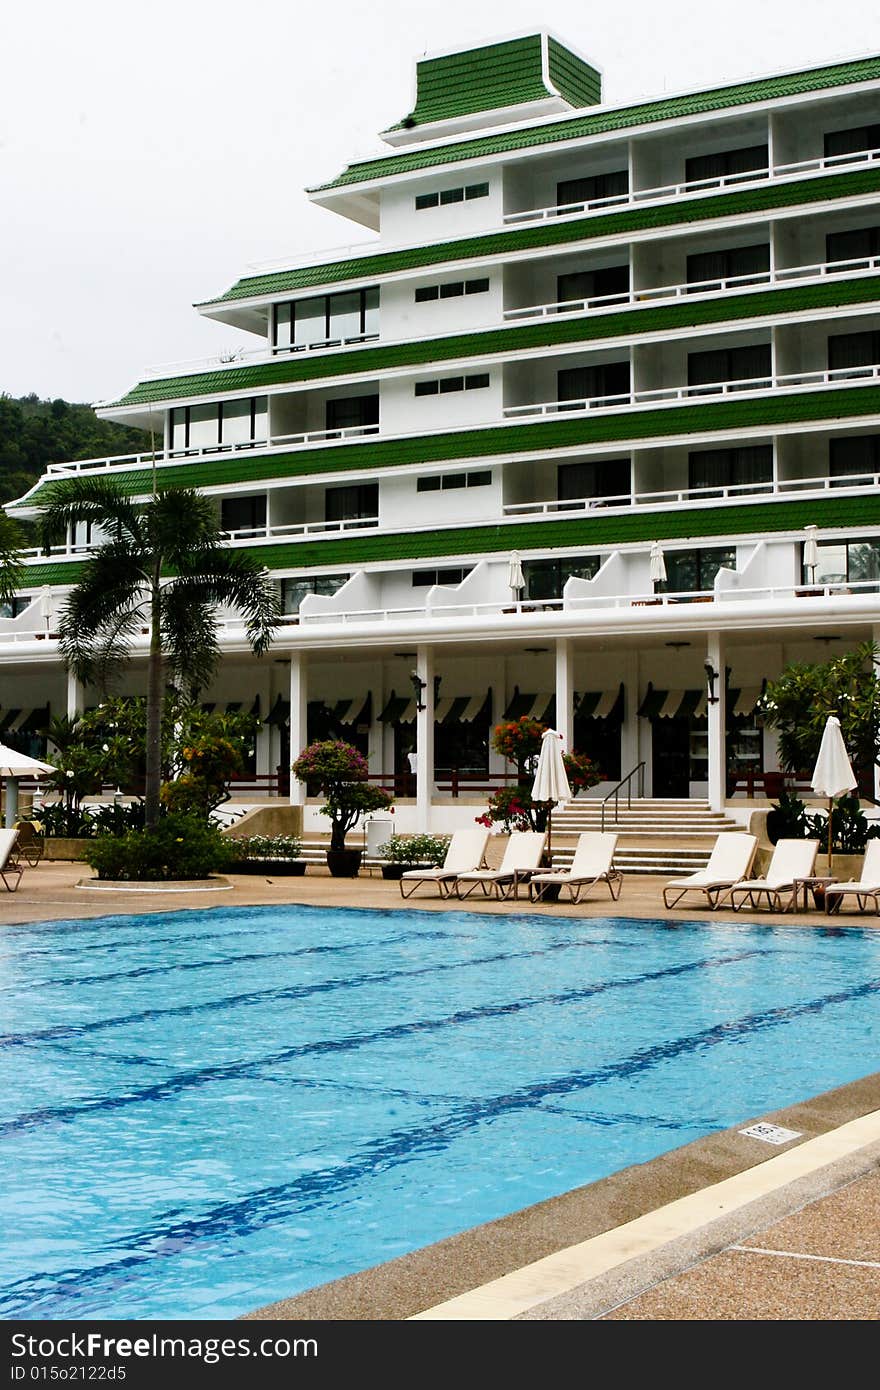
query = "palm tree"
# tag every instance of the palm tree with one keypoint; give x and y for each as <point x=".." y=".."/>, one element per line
<point x="160" y="568"/>
<point x="10" y="564"/>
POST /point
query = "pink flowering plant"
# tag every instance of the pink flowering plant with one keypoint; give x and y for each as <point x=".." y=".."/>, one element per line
<point x="339" y="773"/>
<point x="519" y="741"/>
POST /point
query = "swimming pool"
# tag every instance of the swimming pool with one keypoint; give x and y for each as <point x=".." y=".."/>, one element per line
<point x="204" y="1111"/>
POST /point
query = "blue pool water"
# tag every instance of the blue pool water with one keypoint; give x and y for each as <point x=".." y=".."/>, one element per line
<point x="205" y="1111"/>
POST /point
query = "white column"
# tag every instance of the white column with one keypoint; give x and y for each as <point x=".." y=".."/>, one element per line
<point x="74" y="696"/>
<point x="564" y="692"/>
<point x="500" y="695"/>
<point x="717" y="725"/>
<point x="425" y="739"/>
<point x="875" y="637"/>
<point x="630" y="753"/>
<point x="298" y="720"/>
<point x="376" y="745"/>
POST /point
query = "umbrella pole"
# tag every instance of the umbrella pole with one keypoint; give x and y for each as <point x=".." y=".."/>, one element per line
<point x="830" y="806"/>
<point x="550" y="831"/>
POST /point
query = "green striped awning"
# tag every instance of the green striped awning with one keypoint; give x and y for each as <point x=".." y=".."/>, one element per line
<point x="600" y="704"/>
<point x="673" y="704"/>
<point x="461" y="709"/>
<point x="534" y="706"/>
<point x="399" y="709"/>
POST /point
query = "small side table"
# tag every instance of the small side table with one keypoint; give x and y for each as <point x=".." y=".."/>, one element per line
<point x="815" y="885"/>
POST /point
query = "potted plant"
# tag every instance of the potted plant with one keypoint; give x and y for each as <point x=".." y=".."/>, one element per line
<point x="340" y="773"/>
<point x="403" y="852"/>
<point x="275" y="854"/>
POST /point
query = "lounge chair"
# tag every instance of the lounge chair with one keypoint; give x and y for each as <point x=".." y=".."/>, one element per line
<point x="466" y="850"/>
<point x="866" y="887"/>
<point x="730" y="861"/>
<point x="522" y="856"/>
<point x="592" y="863"/>
<point x="9" y="863"/>
<point x="792" y="859"/>
<point x="30" y="843"/>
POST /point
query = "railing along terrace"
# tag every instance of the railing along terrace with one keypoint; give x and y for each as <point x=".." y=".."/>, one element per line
<point x="301" y="528"/>
<point x="233" y="356"/>
<point x="675" y="190"/>
<point x="861" y="265"/>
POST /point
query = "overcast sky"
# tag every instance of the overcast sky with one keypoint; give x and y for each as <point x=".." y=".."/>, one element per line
<point x="150" y="154"/>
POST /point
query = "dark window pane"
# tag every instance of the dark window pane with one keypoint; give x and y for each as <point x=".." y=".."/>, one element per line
<point x="593" y="478"/>
<point x="729" y="364"/>
<point x="477" y="190"/>
<point x="592" y="284"/>
<point x="426" y="200"/>
<point x="452" y="195"/>
<point x="426" y="292"/>
<point x="243" y="513"/>
<point x="450" y="576"/>
<point x="348" y="503"/>
<point x="858" y="454"/>
<point x="477" y="381"/>
<point x="431" y="484"/>
<point x="587" y="383"/>
<point x="476" y="286"/>
<point x="427" y="388"/>
<point x="852" y="141"/>
<point x="591" y="189"/>
<point x="852" y="350"/>
<point x="481" y="479"/>
<point x="452" y="290"/>
<point x="730" y="467"/>
<point x="724" y="265"/>
<point x="725" y="163"/>
<point x="352" y="412"/>
<point x="451" y="383"/>
<point x="852" y="245"/>
<point x="451" y="481"/>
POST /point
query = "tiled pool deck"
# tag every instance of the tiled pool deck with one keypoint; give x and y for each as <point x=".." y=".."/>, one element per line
<point x="728" y="1227"/>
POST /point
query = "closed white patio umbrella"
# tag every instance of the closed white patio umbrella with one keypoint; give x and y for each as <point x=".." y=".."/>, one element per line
<point x="833" y="774"/>
<point x="551" y="779"/>
<point x="516" y="580"/>
<point x="811" y="552"/>
<point x="658" y="563"/>
<point x="12" y="766"/>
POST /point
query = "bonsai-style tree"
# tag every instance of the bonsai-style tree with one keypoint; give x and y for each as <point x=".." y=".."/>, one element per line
<point x="340" y="772"/>
<point x="162" y="570"/>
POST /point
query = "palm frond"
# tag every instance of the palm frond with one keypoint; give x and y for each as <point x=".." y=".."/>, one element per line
<point x="97" y="500"/>
<point x="108" y="605"/>
<point x="11" y="569"/>
<point x="231" y="579"/>
<point x="189" y="637"/>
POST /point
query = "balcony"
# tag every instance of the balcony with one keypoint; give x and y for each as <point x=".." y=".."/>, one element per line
<point x="638" y="197"/>
<point x="866" y="265"/>
<point x="240" y="356"/>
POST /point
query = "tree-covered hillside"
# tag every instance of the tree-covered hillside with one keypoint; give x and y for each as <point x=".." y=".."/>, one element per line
<point x="34" y="433"/>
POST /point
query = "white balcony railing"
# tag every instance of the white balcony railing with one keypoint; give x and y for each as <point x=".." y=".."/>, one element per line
<point x="237" y="356"/>
<point x="863" y="265"/>
<point x="671" y="395"/>
<point x="637" y="196"/>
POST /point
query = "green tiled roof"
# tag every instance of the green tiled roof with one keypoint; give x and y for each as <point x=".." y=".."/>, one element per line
<point x="51" y="573"/>
<point x="641" y="524"/>
<point x="602" y="122"/>
<point x="537" y="436"/>
<point x="540" y="334"/>
<point x="497" y="76"/>
<point x="724" y="203"/>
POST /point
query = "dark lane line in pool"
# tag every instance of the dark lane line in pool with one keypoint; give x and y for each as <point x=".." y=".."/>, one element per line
<point x="63" y="1031"/>
<point x="185" y="1081"/>
<point x="140" y="972"/>
<point x="41" y="1292"/>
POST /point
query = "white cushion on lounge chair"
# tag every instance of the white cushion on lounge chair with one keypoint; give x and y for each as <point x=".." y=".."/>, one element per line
<point x="465" y="851"/>
<point x="9" y="859"/>
<point x="791" y="859"/>
<point x="869" y="881"/>
<point x="522" y="853"/>
<point x="731" y="858"/>
<point x="592" y="863"/>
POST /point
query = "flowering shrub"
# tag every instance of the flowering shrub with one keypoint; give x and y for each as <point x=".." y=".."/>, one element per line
<point x="512" y="808"/>
<point x="208" y="762"/>
<point x="519" y="741"/>
<point x="414" y="849"/>
<point x="340" y="772"/>
<point x="264" y="846"/>
<point x="581" y="771"/>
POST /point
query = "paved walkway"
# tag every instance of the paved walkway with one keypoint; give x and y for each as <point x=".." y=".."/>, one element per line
<point x="709" y="1231"/>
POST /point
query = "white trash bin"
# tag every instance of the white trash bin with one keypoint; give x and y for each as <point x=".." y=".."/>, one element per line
<point x="379" y="831"/>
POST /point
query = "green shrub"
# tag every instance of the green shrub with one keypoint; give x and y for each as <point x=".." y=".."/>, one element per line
<point x="179" y="847"/>
<point x="414" y="849"/>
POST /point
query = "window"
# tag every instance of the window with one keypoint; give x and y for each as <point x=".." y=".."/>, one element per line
<point x="443" y="386"/>
<point x="352" y="412"/>
<point x="853" y="350"/>
<point x="613" y="280"/>
<point x="852" y="141"/>
<point x="451" y="195"/>
<point x="749" y="364"/>
<point x="863" y="242"/>
<point x="710" y="468"/>
<point x="17" y="604"/>
<point x="694" y="571"/>
<point x="726" y="265"/>
<point x="328" y="319"/>
<point x="293" y="591"/>
<point x="243" y="513"/>
<point x="545" y="579"/>
<point x="444" y="482"/>
<point x="424" y="579"/>
<point x="853" y="455"/>
<point x="593" y="383"/>
<point x="726" y="164"/>
<point x="845" y="562"/>
<point x="350" y="502"/>
<point x="593" y="478"/>
<point x="222" y="425"/>
<point x="451" y="290"/>
<point x="593" y="189"/>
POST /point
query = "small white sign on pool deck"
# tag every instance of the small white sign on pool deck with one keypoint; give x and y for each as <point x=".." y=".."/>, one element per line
<point x="771" y="1134"/>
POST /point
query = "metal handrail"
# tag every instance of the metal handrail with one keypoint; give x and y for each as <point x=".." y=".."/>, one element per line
<point x="615" y="792"/>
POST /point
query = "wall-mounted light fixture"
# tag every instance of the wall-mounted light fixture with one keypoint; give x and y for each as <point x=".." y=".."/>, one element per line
<point x="711" y="678"/>
<point x="419" y="686"/>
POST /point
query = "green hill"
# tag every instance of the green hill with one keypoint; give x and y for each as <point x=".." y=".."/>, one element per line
<point x="34" y="433"/>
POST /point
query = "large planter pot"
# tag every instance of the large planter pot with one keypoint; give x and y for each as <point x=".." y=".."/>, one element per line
<point x="396" y="871"/>
<point x="279" y="868"/>
<point x="344" y="863"/>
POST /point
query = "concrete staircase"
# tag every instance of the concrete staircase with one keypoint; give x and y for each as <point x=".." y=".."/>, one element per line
<point x="656" y="836"/>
